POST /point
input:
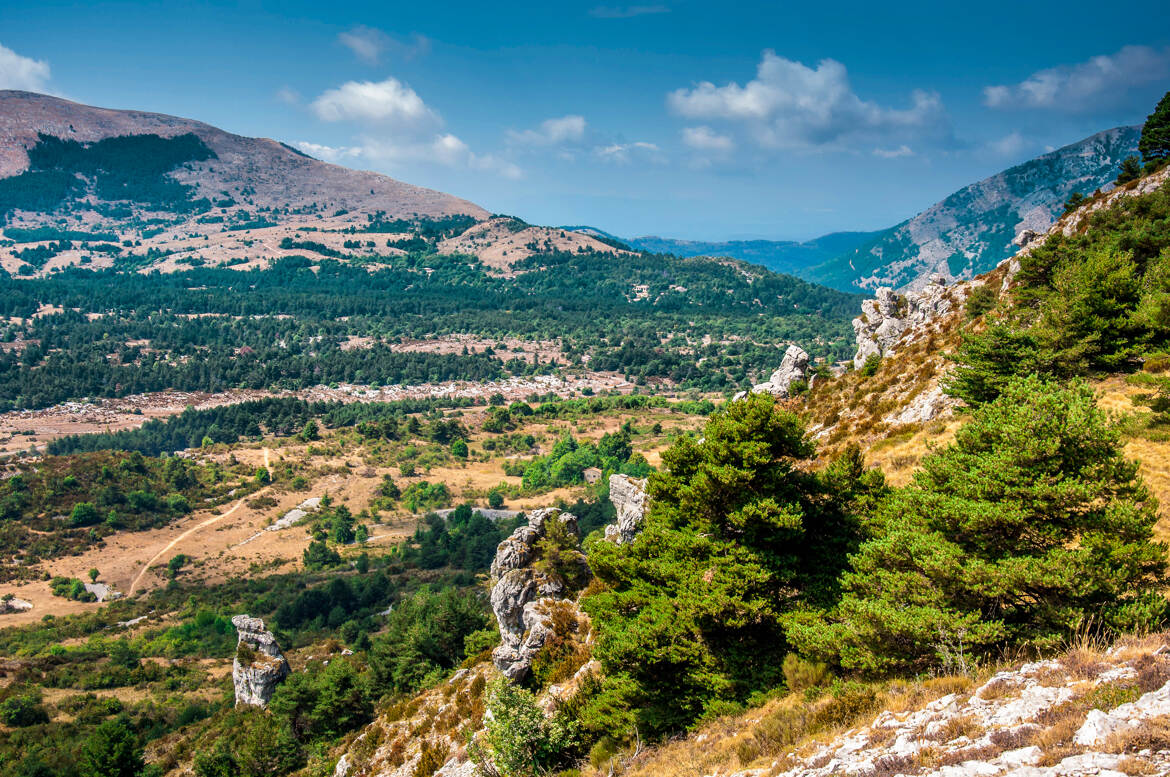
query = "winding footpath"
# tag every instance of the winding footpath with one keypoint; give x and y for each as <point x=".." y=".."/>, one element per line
<point x="209" y="522"/>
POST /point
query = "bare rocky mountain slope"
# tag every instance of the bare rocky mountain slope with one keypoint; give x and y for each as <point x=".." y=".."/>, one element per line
<point x="247" y="201"/>
<point x="972" y="230"/>
<point x="276" y="175"/>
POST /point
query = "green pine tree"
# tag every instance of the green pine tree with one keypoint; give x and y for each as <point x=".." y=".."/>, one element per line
<point x="1154" y="144"/>
<point x="111" y="751"/>
<point x="1030" y="526"/>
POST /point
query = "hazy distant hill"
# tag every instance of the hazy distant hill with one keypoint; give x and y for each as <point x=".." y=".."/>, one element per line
<point x="971" y="231"/>
<point x="786" y="256"/>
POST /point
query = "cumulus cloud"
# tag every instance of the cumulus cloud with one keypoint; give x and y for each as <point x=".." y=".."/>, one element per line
<point x="626" y="11"/>
<point x="706" y="139"/>
<point x="1086" y="85"/>
<point x="397" y="127"/>
<point x="17" y="72"/>
<point x="389" y="102"/>
<point x="368" y="44"/>
<point x="791" y="105"/>
<point x="894" y="153"/>
<point x="552" y="132"/>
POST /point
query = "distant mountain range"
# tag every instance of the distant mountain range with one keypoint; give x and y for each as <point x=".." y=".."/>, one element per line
<point x="171" y="191"/>
<point x="972" y="230"/>
<point x="785" y="256"/>
<point x="966" y="234"/>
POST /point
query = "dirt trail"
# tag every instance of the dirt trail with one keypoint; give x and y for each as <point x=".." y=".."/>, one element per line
<point x="209" y="522"/>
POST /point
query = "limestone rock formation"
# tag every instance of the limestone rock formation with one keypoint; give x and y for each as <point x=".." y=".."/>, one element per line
<point x="887" y="318"/>
<point x="925" y="406"/>
<point x="10" y="603"/>
<point x="629" y="497"/>
<point x="522" y="594"/>
<point x="259" y="665"/>
<point x="793" y="367"/>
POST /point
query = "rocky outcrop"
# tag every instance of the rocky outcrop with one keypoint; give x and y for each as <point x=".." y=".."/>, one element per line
<point x="629" y="497"/>
<point x="522" y="595"/>
<point x="259" y="665"/>
<point x="432" y="728"/>
<point x="926" y="406"/>
<point x="1007" y="727"/>
<point x="890" y="317"/>
<point x="12" y="604"/>
<point x="793" y="368"/>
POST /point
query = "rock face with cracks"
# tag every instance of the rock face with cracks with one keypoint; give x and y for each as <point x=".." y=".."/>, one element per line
<point x="259" y="665"/>
<point x="522" y="594"/>
<point x="629" y="497"/>
<point x="793" y="368"/>
<point x="885" y="319"/>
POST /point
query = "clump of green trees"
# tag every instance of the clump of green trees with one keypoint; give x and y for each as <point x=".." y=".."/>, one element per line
<point x="1030" y="527"/>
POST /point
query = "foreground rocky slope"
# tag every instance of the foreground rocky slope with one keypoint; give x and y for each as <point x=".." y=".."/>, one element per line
<point x="1088" y="712"/>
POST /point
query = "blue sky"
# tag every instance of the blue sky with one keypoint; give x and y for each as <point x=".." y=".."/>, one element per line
<point x="686" y="119"/>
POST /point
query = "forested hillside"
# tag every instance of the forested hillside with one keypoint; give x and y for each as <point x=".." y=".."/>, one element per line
<point x="694" y="322"/>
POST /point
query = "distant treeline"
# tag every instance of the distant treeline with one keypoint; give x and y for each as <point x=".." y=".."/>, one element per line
<point x="281" y="416"/>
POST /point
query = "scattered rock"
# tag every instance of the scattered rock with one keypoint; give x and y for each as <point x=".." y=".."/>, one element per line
<point x="927" y="406"/>
<point x="1099" y="725"/>
<point x="103" y="592"/>
<point x="997" y="721"/>
<point x="629" y="497"/>
<point x="259" y="665"/>
<point x="12" y="604"/>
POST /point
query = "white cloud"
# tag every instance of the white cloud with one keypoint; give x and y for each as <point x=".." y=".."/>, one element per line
<point x="894" y="153"/>
<point x="444" y="149"/>
<point x="17" y="72"/>
<point x="368" y="44"/>
<point x="1086" y="85"/>
<point x="389" y="102"/>
<point x="333" y="154"/>
<point x="552" y="132"/>
<point x="626" y="11"/>
<point x="790" y="105"/>
<point x="622" y="152"/>
<point x="706" y="139"/>
<point x="397" y="127"/>
<point x="1010" y="145"/>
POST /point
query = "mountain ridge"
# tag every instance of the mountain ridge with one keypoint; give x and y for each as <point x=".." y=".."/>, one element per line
<point x="939" y="240"/>
<point x="278" y="174"/>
